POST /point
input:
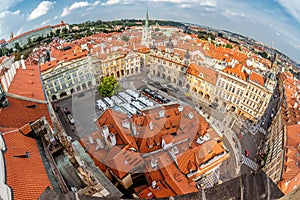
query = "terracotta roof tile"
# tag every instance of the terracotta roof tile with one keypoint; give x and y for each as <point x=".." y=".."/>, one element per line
<point x="26" y="33"/>
<point x="48" y="65"/>
<point x="25" y="175"/>
<point x="113" y="120"/>
<point x="208" y="75"/>
<point x="20" y="112"/>
<point x="172" y="180"/>
<point x="143" y="50"/>
<point x="182" y="126"/>
<point x="25" y="129"/>
<point x="255" y="77"/>
<point x="122" y="160"/>
<point x="30" y="79"/>
<point x="236" y="71"/>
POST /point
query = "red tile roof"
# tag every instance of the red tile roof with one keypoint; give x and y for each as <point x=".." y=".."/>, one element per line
<point x="291" y="171"/>
<point x="60" y="55"/>
<point x="26" y="33"/>
<point x="171" y="181"/>
<point x="113" y="120"/>
<point x="191" y="159"/>
<point x="208" y="75"/>
<point x="2" y="41"/>
<point x="181" y="126"/>
<point x="25" y="129"/>
<point x="26" y="176"/>
<point x="30" y="79"/>
<point x="236" y="71"/>
<point x="175" y="123"/>
<point x="255" y="77"/>
<point x="20" y="112"/>
<point x="48" y="65"/>
<point x="122" y="160"/>
<point x="143" y="50"/>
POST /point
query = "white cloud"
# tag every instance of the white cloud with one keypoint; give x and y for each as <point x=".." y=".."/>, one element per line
<point x="66" y="11"/>
<point x="11" y="21"/>
<point x="77" y="5"/>
<point x="229" y="13"/>
<point x="80" y="4"/>
<point x="45" y="22"/>
<point x="7" y="13"/>
<point x="6" y="4"/>
<point x="185" y="5"/>
<point x="208" y="3"/>
<point x="96" y="3"/>
<point x="292" y="7"/>
<point x="41" y="10"/>
<point x="174" y="1"/>
<point x="112" y="2"/>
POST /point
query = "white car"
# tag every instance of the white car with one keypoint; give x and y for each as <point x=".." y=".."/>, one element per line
<point x="70" y="118"/>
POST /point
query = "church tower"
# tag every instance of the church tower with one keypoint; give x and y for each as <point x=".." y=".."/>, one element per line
<point x="271" y="78"/>
<point x="271" y="81"/>
<point x="146" y="35"/>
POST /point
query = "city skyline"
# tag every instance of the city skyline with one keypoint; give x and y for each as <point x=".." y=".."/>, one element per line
<point x="278" y="19"/>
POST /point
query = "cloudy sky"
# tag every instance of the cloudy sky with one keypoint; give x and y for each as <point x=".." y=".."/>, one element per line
<point x="273" y="22"/>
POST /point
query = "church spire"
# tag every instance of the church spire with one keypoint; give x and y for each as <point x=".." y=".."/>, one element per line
<point x="147" y="19"/>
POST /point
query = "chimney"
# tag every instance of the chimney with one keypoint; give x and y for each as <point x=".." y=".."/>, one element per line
<point x="153" y="184"/>
<point x="180" y="108"/>
<point x="27" y="155"/>
<point x="154" y="162"/>
<point x="191" y="115"/>
<point x="91" y="140"/>
<point x="3" y="100"/>
<point x="161" y="113"/>
<point x="151" y="126"/>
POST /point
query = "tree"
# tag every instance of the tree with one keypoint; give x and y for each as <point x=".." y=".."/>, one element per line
<point x="47" y="56"/>
<point x="17" y="46"/>
<point x="108" y="87"/>
<point x="89" y="32"/>
<point x="29" y="41"/>
<point x="17" y="55"/>
<point x="125" y="38"/>
<point x="65" y="31"/>
<point x="229" y="46"/>
<point x="264" y="54"/>
<point x="57" y="32"/>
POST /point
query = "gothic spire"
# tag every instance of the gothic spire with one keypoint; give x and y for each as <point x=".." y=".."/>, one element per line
<point x="147" y="19"/>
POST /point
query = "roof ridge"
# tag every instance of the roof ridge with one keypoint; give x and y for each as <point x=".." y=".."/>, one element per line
<point x="26" y="98"/>
<point x="10" y="131"/>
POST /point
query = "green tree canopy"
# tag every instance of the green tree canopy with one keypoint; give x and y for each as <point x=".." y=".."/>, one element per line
<point x="108" y="87"/>
<point x="17" y="46"/>
<point x="229" y="46"/>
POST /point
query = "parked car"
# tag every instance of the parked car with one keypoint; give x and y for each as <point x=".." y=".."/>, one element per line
<point x="247" y="153"/>
<point x="182" y="99"/>
<point x="70" y="118"/>
<point x="213" y="105"/>
<point x="67" y="111"/>
<point x="55" y="107"/>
